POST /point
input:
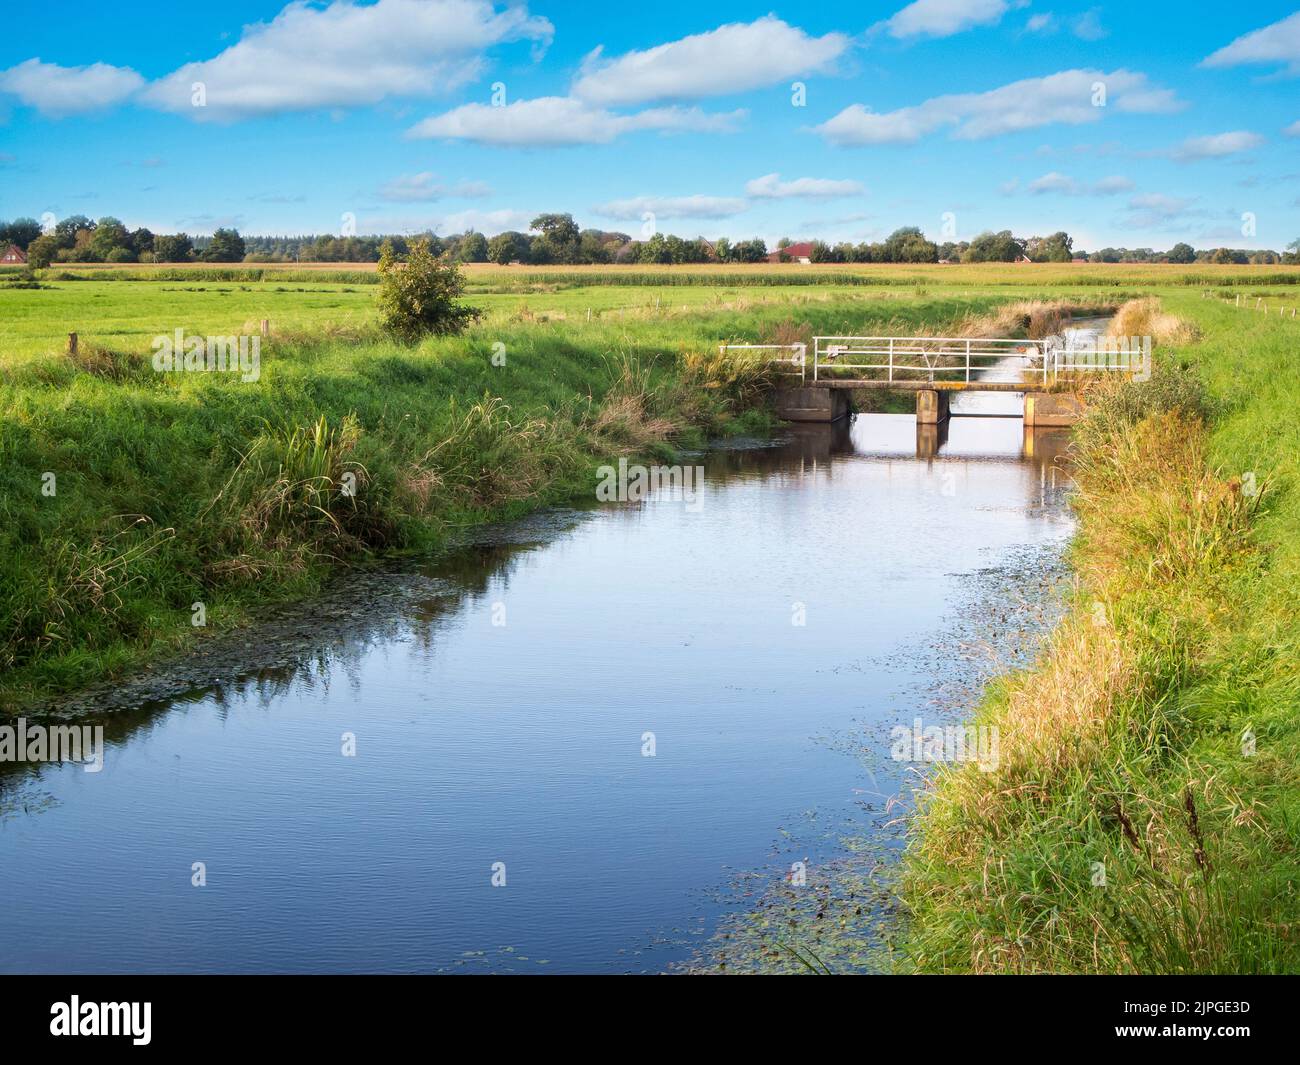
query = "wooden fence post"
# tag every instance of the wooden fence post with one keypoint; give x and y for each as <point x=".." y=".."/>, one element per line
<point x="72" y="343"/>
<point x="266" y="327"/>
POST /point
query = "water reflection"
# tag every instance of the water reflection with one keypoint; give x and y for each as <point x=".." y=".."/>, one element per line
<point x="500" y="702"/>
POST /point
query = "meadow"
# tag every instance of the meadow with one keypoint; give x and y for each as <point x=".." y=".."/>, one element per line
<point x="93" y="301"/>
<point x="1147" y="813"/>
<point x="165" y="490"/>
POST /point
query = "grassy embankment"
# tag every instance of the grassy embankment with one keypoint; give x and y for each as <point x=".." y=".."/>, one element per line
<point x="172" y="489"/>
<point x="1146" y="813"/>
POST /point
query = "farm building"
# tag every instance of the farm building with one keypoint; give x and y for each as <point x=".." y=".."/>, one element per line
<point x="13" y="254"/>
<point x="800" y="252"/>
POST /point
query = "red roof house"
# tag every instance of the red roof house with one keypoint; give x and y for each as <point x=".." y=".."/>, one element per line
<point x="800" y="252"/>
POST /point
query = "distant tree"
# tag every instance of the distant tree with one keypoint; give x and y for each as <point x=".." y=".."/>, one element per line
<point x="655" y="250"/>
<point x="172" y="248"/>
<point x="225" y="246"/>
<point x="999" y="247"/>
<point x="1228" y="256"/>
<point x="109" y="235"/>
<point x="722" y="249"/>
<point x="1182" y="253"/>
<point x="593" y="247"/>
<point x="21" y="231"/>
<point x="909" y="245"/>
<point x="819" y="252"/>
<point x="560" y="235"/>
<point x="421" y="295"/>
<point x="41" y="251"/>
<point x="1058" y="248"/>
<point x="473" y="248"/>
<point x="749" y="251"/>
<point x="83" y="250"/>
<point x="66" y="229"/>
<point x="503" y="248"/>
<point x="141" y="241"/>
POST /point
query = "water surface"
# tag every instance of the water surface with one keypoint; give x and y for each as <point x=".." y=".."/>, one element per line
<point x="501" y="716"/>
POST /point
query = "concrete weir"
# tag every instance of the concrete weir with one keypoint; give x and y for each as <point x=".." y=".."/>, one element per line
<point x="829" y="402"/>
<point x="812" y="404"/>
<point x="1049" y="409"/>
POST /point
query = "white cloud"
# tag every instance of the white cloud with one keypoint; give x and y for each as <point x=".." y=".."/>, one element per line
<point x="1054" y="182"/>
<point x="943" y="18"/>
<point x="491" y="222"/>
<point x="1088" y="27"/>
<point x="415" y="188"/>
<point x="1109" y="186"/>
<point x="1216" y="146"/>
<point x="1044" y="23"/>
<point x="1066" y="97"/>
<point x="1292" y="130"/>
<point x="673" y="207"/>
<point x="55" y="91"/>
<point x="346" y="55"/>
<point x="1276" y="43"/>
<point x="484" y="221"/>
<point x="555" y="121"/>
<point x="733" y="58"/>
<point x="771" y="187"/>
<point x="1063" y="184"/>
<point x="1155" y="209"/>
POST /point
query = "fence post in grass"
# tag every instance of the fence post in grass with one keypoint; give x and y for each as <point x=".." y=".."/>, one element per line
<point x="72" y="343"/>
<point x="266" y="327"/>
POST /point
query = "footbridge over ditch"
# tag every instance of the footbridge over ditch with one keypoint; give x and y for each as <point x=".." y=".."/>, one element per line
<point x="1050" y="373"/>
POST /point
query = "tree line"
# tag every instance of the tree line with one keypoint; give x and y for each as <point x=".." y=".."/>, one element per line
<point x="556" y="239"/>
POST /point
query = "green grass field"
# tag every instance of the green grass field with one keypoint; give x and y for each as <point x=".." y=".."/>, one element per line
<point x="171" y="489"/>
<point x="1123" y="748"/>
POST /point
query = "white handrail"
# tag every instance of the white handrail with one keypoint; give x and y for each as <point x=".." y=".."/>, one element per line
<point x="899" y="357"/>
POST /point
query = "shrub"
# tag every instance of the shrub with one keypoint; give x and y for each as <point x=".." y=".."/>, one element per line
<point x="419" y="296"/>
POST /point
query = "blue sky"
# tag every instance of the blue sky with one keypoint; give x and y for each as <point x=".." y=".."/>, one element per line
<point x="1136" y="124"/>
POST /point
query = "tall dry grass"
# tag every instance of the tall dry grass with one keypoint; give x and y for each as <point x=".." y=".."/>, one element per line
<point x="1104" y="842"/>
<point x="1147" y="318"/>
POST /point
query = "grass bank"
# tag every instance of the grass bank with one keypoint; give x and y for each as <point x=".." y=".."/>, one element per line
<point x="127" y="496"/>
<point x="1145" y="812"/>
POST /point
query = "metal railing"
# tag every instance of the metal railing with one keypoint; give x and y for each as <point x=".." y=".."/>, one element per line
<point x="1115" y="355"/>
<point x="966" y="359"/>
<point x="975" y="359"/>
<point x="903" y="357"/>
<point x="798" y="356"/>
